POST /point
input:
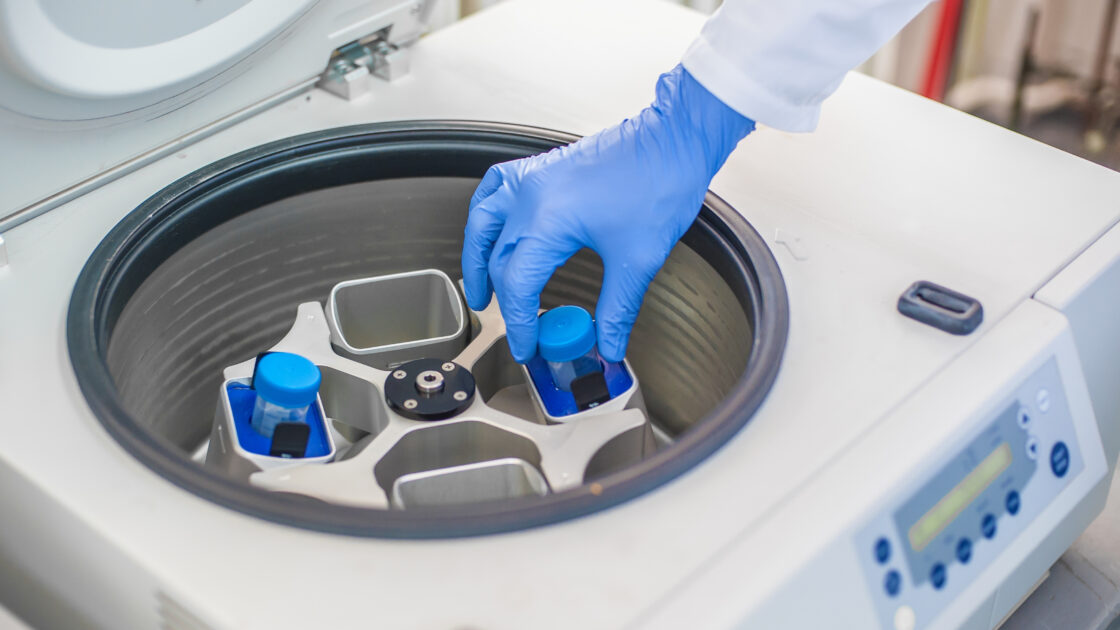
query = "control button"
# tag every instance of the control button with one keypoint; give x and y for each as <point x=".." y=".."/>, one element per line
<point x="1043" y="400"/>
<point x="904" y="618"/>
<point x="988" y="526"/>
<point x="1032" y="447"/>
<point x="1012" y="503"/>
<point x="1024" y="418"/>
<point x="964" y="550"/>
<point x="893" y="583"/>
<point x="882" y="550"/>
<point x="937" y="575"/>
<point x="1059" y="459"/>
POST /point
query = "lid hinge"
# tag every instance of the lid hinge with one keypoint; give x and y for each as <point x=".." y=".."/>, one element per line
<point x="352" y="66"/>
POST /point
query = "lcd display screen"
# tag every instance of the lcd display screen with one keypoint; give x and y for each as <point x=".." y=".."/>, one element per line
<point x="933" y="522"/>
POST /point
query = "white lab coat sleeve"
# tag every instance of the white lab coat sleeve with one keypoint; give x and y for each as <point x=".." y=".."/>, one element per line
<point x="775" y="61"/>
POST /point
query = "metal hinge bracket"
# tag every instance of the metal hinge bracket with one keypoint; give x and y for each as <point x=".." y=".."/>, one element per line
<point x="352" y="66"/>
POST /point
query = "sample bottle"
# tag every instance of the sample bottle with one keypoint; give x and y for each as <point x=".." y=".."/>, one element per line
<point x="566" y="340"/>
<point x="286" y="386"/>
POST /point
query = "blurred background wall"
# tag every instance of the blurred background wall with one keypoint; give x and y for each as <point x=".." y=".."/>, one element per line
<point x="1047" y="68"/>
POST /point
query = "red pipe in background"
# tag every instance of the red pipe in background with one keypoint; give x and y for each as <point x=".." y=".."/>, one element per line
<point x="941" y="51"/>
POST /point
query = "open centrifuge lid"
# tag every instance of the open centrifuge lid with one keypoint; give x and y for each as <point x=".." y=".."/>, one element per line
<point x="74" y="60"/>
<point x="86" y="87"/>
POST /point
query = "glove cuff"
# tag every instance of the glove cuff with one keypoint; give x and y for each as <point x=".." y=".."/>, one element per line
<point x="712" y="125"/>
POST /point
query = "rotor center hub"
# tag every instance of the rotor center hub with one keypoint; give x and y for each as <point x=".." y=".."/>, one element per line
<point x="429" y="389"/>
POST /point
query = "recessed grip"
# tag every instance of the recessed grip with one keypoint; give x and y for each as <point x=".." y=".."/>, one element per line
<point x="941" y="307"/>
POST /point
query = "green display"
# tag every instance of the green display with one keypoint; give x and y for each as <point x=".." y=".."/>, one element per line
<point x="952" y="504"/>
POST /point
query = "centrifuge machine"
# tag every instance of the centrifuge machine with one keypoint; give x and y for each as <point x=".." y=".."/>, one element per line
<point x="876" y="385"/>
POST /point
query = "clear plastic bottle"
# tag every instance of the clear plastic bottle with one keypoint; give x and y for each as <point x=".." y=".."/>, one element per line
<point x="286" y="385"/>
<point x="566" y="340"/>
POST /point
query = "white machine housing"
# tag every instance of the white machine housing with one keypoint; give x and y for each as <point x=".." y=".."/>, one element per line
<point x="771" y="531"/>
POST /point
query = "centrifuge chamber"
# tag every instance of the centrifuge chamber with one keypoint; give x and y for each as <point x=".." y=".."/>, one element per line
<point x="209" y="272"/>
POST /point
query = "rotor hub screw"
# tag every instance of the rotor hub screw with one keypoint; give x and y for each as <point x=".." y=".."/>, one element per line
<point x="429" y="382"/>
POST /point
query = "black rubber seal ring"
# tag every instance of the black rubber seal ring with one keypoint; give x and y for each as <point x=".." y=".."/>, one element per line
<point x="173" y="217"/>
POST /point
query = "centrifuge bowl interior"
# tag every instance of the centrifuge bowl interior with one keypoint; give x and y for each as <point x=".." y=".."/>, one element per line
<point x="209" y="271"/>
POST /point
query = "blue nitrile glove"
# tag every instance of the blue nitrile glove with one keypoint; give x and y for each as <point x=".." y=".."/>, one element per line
<point x="628" y="192"/>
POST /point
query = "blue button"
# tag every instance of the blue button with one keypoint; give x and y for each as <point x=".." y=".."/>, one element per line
<point x="1012" y="503"/>
<point x="937" y="575"/>
<point x="964" y="550"/>
<point x="988" y="526"/>
<point x="1059" y="459"/>
<point x="1032" y="447"/>
<point x="892" y="583"/>
<point x="1024" y="418"/>
<point x="882" y="550"/>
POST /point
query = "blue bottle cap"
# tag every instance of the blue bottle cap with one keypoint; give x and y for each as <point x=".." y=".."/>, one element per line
<point x="286" y="379"/>
<point x="566" y="333"/>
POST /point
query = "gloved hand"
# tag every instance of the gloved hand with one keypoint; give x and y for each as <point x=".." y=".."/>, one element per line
<point x="628" y="192"/>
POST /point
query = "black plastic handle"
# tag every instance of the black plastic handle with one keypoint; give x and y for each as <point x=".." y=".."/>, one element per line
<point x="590" y="390"/>
<point x="941" y="308"/>
<point x="256" y="364"/>
<point x="289" y="439"/>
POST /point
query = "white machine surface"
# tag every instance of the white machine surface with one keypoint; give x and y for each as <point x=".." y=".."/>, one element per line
<point x="781" y="528"/>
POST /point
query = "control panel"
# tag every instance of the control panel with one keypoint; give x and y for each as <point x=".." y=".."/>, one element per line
<point x="929" y="544"/>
